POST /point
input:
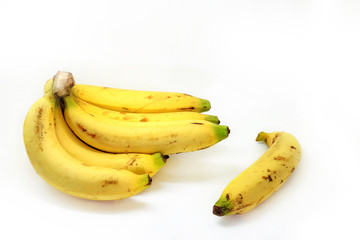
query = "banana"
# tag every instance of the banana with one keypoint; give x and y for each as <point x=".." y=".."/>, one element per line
<point x="145" y="137"/>
<point x="48" y="86"/>
<point x="263" y="177"/>
<point x="65" y="172"/>
<point x="139" y="101"/>
<point x="143" y="117"/>
<point x="134" y="162"/>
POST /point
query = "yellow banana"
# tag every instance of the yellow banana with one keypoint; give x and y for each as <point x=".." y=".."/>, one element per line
<point x="139" y="101"/>
<point x="134" y="162"/>
<point x="145" y="137"/>
<point x="143" y="117"/>
<point x="48" y="86"/>
<point x="67" y="173"/>
<point x="263" y="177"/>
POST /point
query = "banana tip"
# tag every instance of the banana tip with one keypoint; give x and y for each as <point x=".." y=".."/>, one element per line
<point x="149" y="181"/>
<point x="165" y="158"/>
<point x="218" y="211"/>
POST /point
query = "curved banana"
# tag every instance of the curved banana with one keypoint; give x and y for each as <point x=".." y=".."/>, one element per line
<point x="134" y="162"/>
<point x="145" y="137"/>
<point x="263" y="177"/>
<point x="139" y="101"/>
<point x="48" y="86"/>
<point x="65" y="172"/>
<point x="143" y="117"/>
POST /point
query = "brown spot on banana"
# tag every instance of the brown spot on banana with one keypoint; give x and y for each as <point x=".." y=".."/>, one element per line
<point x="93" y="135"/>
<point x="186" y="108"/>
<point x="267" y="178"/>
<point x="271" y="171"/>
<point x="274" y="139"/>
<point x="109" y="182"/>
<point x="131" y="161"/>
<point x="39" y="127"/>
<point x="280" y="158"/>
<point x="239" y="199"/>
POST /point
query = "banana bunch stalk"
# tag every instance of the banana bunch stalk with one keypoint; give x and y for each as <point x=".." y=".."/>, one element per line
<point x="104" y="144"/>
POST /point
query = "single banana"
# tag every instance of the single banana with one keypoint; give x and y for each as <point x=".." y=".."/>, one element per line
<point x="48" y="86"/>
<point x="263" y="177"/>
<point x="145" y="137"/>
<point x="134" y="162"/>
<point x="143" y="117"/>
<point x="67" y="173"/>
<point x="139" y="101"/>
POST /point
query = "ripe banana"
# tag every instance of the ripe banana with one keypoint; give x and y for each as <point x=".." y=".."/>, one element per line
<point x="263" y="177"/>
<point x="145" y="137"/>
<point x="134" y="162"/>
<point x="143" y="117"/>
<point x="67" y="173"/>
<point x="139" y="101"/>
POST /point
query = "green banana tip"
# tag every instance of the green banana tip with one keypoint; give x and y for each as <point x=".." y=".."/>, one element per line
<point x="223" y="206"/>
<point x="213" y="119"/>
<point x="159" y="159"/>
<point x="222" y="131"/>
<point x="205" y="105"/>
<point x="261" y="137"/>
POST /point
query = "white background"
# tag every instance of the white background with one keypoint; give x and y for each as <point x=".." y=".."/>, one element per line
<point x="265" y="65"/>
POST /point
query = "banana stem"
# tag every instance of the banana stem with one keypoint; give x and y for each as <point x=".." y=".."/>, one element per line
<point x="63" y="82"/>
<point x="261" y="137"/>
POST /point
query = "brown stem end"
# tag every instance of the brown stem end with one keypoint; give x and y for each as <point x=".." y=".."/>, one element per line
<point x="63" y="82"/>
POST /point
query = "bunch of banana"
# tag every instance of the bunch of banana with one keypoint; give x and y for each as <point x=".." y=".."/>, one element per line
<point x="263" y="177"/>
<point x="104" y="144"/>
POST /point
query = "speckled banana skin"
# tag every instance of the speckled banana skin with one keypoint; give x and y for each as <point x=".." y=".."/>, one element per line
<point x="263" y="177"/>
